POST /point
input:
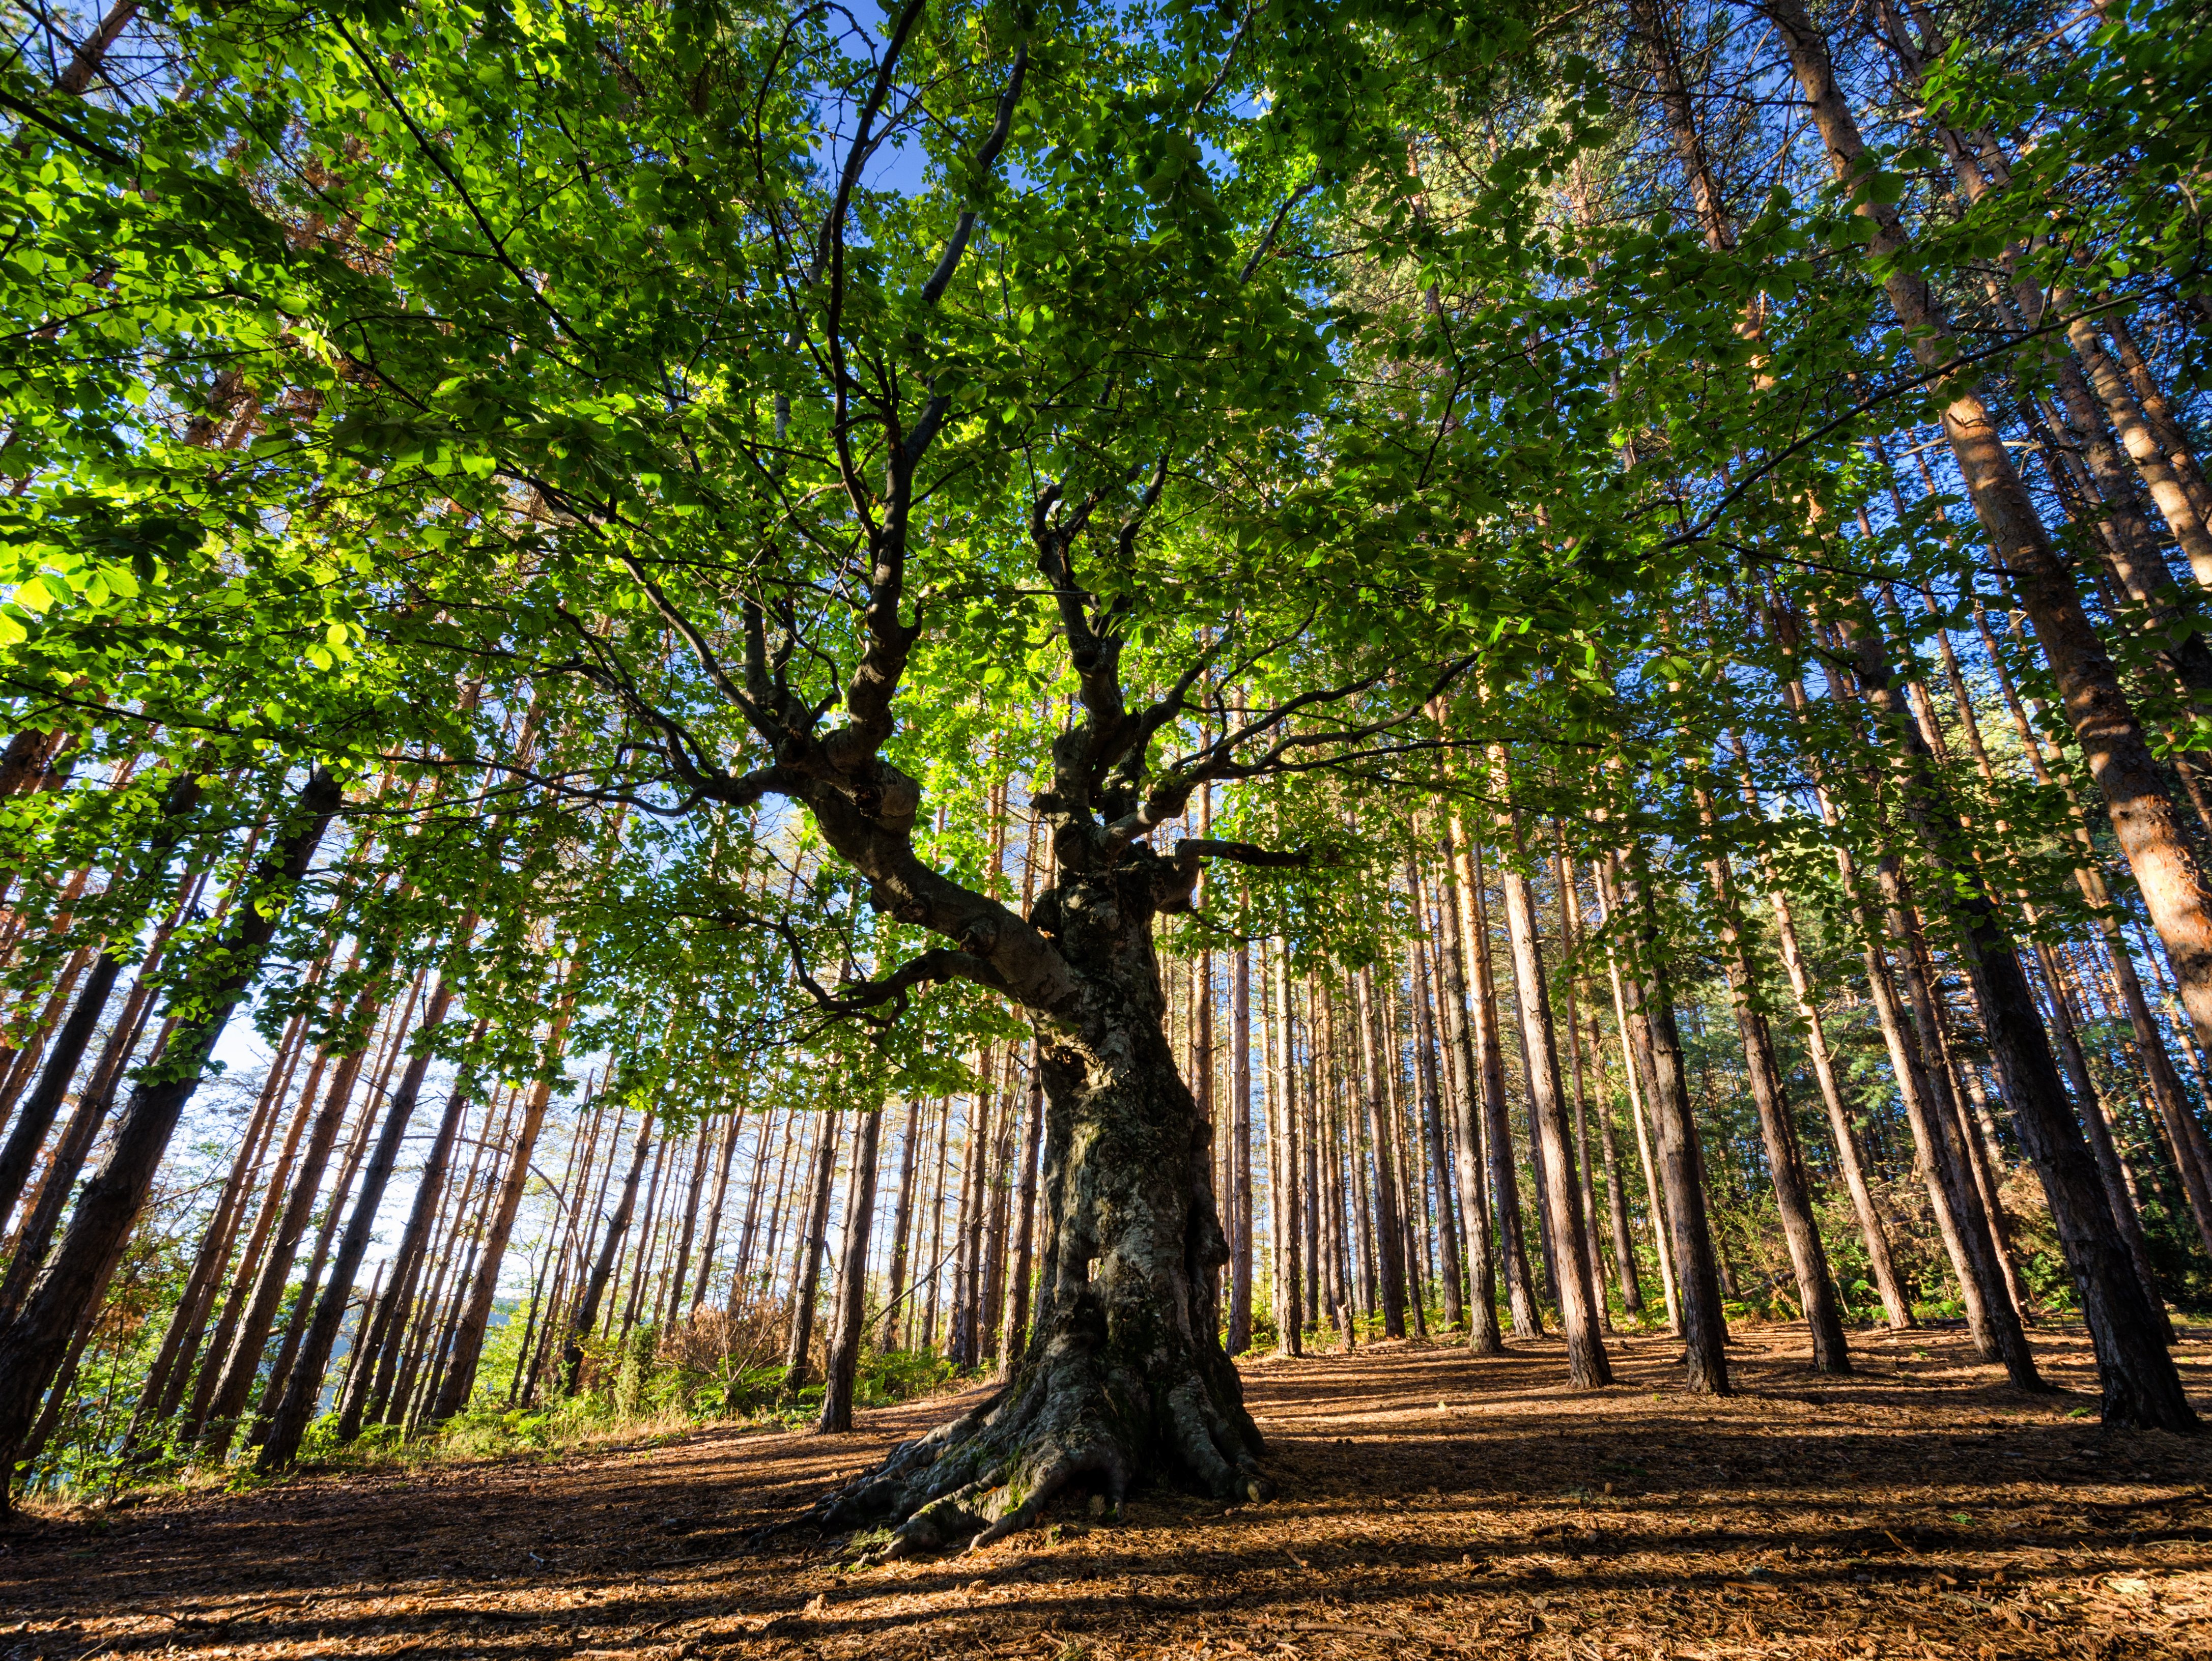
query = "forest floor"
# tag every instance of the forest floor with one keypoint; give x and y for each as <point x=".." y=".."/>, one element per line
<point x="1431" y="1504"/>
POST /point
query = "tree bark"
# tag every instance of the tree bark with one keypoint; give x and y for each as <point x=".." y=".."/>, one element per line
<point x="903" y="1221"/>
<point x="1429" y="1087"/>
<point x="234" y="1358"/>
<point x="2104" y="723"/>
<point x="288" y="1425"/>
<point x="1240" y="1150"/>
<point x="2140" y="1385"/>
<point x="1283" y="1165"/>
<point x="475" y="1316"/>
<point x="1015" y="1337"/>
<point x="842" y="1365"/>
<point x="1389" y="1228"/>
<point x="602" y="1267"/>
<point x="33" y="1345"/>
<point x="814" y="1241"/>
<point x="723" y="1160"/>
<point x="1483" y="1336"/>
<point x="1649" y="1011"/>
<point x="376" y="1333"/>
<point x="1125" y="1375"/>
<point x="1785" y="1163"/>
<point x="1497" y="1131"/>
<point x="1547" y="1111"/>
<point x="1881" y="1262"/>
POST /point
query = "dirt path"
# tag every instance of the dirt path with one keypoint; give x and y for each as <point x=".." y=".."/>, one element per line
<point x="1432" y="1504"/>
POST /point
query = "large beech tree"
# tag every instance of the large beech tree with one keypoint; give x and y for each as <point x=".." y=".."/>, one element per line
<point x="789" y="387"/>
<point x="747" y="428"/>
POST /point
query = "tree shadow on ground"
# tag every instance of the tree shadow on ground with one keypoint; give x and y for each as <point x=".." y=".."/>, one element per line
<point x="1432" y="1502"/>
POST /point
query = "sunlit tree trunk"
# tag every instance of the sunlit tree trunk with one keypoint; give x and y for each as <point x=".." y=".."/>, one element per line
<point x="841" y="1363"/>
<point x="1648" y="1011"/>
<point x="33" y="1345"/>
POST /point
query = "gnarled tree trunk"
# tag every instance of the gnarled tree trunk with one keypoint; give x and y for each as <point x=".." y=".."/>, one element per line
<point x="1124" y="1375"/>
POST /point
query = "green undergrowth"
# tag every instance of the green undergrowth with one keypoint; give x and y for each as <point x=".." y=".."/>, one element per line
<point x="629" y="1404"/>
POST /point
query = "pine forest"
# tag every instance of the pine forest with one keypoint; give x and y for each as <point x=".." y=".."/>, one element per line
<point x="1106" y="828"/>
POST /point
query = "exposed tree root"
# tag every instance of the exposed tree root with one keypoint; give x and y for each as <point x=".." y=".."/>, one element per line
<point x="1065" y="1424"/>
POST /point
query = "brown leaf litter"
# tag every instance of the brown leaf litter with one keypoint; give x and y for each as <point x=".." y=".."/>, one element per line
<point x="1432" y="1504"/>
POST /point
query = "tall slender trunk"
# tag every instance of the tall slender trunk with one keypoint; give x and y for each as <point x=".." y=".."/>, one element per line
<point x="841" y="1366"/>
<point x="1547" y="1112"/>
<point x="375" y="1335"/>
<point x="1240" y="1150"/>
<point x="34" y="1344"/>
<point x="166" y="1378"/>
<point x="1881" y="1261"/>
<point x="723" y="1159"/>
<point x="67" y="1048"/>
<point x="640" y="1266"/>
<point x="1512" y="1252"/>
<point x="1785" y="1163"/>
<point x="1283" y="1167"/>
<point x="679" y="1265"/>
<point x="475" y="1311"/>
<point x="1432" y="1111"/>
<point x="587" y="1312"/>
<point x="1483" y="1336"/>
<point x="902" y="1222"/>
<point x="1648" y="1011"/>
<point x="943" y="1139"/>
<point x="288" y="1425"/>
<point x="2140" y="1385"/>
<point x="2137" y="1370"/>
<point x="311" y="1280"/>
<point x="1636" y="1065"/>
<point x="1624" y="1242"/>
<point x="544" y="1297"/>
<point x="1015" y="1340"/>
<point x="1390" y="1229"/>
<point x="807" y="1271"/>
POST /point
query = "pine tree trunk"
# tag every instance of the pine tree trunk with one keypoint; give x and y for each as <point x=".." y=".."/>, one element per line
<point x="2139" y="1383"/>
<point x="67" y="1048"/>
<point x="173" y="1364"/>
<point x="1785" y="1163"/>
<point x="680" y="1265"/>
<point x="1425" y="1050"/>
<point x="475" y="1317"/>
<point x="1578" y="1302"/>
<point x="2104" y="723"/>
<point x="1512" y="1249"/>
<point x="1389" y="1227"/>
<point x="1881" y="1262"/>
<point x="1483" y="1338"/>
<point x="1240" y="1150"/>
<point x="640" y="1267"/>
<point x="302" y="1392"/>
<point x="1283" y="1167"/>
<point x="33" y="1345"/>
<point x="841" y="1366"/>
<point x="375" y="1335"/>
<point x="903" y="1221"/>
<point x="1015" y="1341"/>
<point x="806" y="1273"/>
<point x="723" y="1160"/>
<point x="544" y="1299"/>
<point x="943" y="1139"/>
<point x="1650" y="1013"/>
<point x="587" y="1312"/>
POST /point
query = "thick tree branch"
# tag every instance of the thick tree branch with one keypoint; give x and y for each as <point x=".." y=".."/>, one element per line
<point x="986" y="159"/>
